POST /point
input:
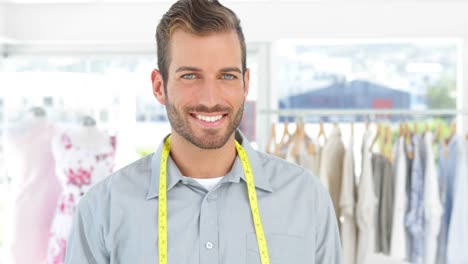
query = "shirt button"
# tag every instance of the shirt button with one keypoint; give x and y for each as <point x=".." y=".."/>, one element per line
<point x="209" y="245"/>
<point x="212" y="198"/>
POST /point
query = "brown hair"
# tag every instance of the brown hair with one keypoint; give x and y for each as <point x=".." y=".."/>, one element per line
<point x="199" y="17"/>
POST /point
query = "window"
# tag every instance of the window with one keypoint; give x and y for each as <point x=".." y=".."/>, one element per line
<point x="355" y="74"/>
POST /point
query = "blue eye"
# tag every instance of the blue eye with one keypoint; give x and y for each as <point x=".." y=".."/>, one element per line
<point x="228" y="76"/>
<point x="189" y="76"/>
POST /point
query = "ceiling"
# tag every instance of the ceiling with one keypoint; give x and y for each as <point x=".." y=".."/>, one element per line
<point x="224" y="1"/>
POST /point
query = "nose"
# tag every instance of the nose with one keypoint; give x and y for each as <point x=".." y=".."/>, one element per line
<point x="210" y="93"/>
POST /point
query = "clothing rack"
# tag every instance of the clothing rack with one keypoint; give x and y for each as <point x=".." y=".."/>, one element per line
<point x="365" y="112"/>
<point x="460" y="117"/>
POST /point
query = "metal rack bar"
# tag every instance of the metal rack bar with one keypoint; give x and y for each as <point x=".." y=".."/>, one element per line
<point x="365" y="112"/>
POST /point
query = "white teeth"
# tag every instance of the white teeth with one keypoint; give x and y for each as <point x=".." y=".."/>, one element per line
<point x="209" y="118"/>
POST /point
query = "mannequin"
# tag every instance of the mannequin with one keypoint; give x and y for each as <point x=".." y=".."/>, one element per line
<point x="30" y="165"/>
<point x="84" y="156"/>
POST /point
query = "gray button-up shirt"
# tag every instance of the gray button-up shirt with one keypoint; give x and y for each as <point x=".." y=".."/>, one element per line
<point x="116" y="221"/>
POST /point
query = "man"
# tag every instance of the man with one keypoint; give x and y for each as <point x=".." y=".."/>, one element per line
<point x="203" y="198"/>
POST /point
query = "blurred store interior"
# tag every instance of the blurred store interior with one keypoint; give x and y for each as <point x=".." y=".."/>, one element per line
<point x="381" y="68"/>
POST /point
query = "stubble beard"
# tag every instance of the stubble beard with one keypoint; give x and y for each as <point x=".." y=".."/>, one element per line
<point x="211" y="138"/>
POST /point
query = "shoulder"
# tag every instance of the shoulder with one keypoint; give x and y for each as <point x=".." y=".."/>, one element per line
<point x="285" y="174"/>
<point x="132" y="180"/>
<point x="274" y="164"/>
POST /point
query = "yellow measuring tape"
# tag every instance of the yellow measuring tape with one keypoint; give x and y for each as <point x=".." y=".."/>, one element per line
<point x="162" y="204"/>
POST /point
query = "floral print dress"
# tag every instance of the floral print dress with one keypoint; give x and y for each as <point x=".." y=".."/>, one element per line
<point x="78" y="168"/>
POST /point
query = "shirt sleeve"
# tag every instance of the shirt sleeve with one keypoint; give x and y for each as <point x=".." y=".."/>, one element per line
<point x="86" y="243"/>
<point x="328" y="246"/>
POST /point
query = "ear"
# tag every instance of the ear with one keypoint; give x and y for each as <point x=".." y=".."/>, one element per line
<point x="158" y="86"/>
<point x="246" y="83"/>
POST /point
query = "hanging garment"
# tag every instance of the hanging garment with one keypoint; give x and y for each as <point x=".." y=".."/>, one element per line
<point x="365" y="207"/>
<point x="383" y="187"/>
<point x="387" y="205"/>
<point x="316" y="160"/>
<point x="311" y="162"/>
<point x="285" y="141"/>
<point x="398" y="237"/>
<point x="83" y="157"/>
<point x="377" y="174"/>
<point x="304" y="158"/>
<point x="347" y="207"/>
<point x="448" y="162"/>
<point x="457" y="239"/>
<point x="415" y="215"/>
<point x="331" y="167"/>
<point x="35" y="188"/>
<point x="409" y="153"/>
<point x="432" y="204"/>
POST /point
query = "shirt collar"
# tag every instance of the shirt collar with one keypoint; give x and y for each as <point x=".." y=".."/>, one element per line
<point x="234" y="175"/>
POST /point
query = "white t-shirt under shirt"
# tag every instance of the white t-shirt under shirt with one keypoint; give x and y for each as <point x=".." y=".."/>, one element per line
<point x="209" y="184"/>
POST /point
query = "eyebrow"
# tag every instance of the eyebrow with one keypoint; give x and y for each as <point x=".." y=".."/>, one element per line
<point x="188" y="68"/>
<point x="231" y="69"/>
<point x="194" y="69"/>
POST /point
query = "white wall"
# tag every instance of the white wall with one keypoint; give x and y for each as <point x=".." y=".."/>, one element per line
<point x="126" y="26"/>
<point x="2" y="27"/>
<point x="261" y="21"/>
<point x="2" y="19"/>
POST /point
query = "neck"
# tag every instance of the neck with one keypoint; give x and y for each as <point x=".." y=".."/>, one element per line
<point x="195" y="162"/>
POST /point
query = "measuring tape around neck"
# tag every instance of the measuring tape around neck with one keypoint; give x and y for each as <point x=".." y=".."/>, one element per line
<point x="162" y="204"/>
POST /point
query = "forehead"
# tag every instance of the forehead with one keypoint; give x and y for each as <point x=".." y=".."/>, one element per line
<point x="205" y="51"/>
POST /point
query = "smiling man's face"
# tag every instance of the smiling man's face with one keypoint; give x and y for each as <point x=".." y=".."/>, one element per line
<point x="205" y="90"/>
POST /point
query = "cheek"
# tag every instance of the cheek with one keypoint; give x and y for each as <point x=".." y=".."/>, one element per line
<point x="177" y="94"/>
<point x="234" y="90"/>
<point x="239" y="95"/>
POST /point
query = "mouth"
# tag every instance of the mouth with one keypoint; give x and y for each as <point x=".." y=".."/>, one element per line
<point x="212" y="120"/>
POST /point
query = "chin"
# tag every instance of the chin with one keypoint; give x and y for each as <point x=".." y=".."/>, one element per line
<point x="209" y="143"/>
<point x="216" y="140"/>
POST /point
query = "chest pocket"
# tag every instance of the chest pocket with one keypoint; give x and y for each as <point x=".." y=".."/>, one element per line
<point x="282" y="249"/>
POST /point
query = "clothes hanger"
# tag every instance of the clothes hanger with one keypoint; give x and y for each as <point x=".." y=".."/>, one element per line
<point x="285" y="138"/>
<point x="446" y="142"/>
<point x="377" y="135"/>
<point x="388" y="147"/>
<point x="441" y="135"/>
<point x="415" y="128"/>
<point x="401" y="131"/>
<point x="305" y="139"/>
<point x="271" y="146"/>
<point x="408" y="141"/>
<point x="310" y="145"/>
<point x="286" y="134"/>
<point x="437" y="132"/>
<point x="383" y="139"/>
<point x="298" y="138"/>
<point x="453" y="130"/>
<point x="322" y="132"/>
